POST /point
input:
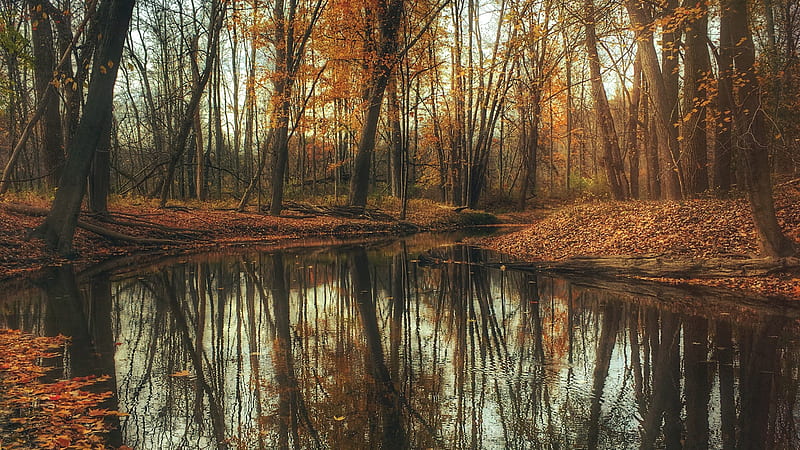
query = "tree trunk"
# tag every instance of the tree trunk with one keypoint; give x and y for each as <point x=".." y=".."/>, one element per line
<point x="219" y="137"/>
<point x="651" y="146"/>
<point x="52" y="144"/>
<point x="396" y="149"/>
<point x="696" y="68"/>
<point x="289" y="51"/>
<point x="612" y="162"/>
<point x="254" y="180"/>
<point x="633" y="127"/>
<point x="199" y="152"/>
<point x="568" y="113"/>
<point x="280" y="149"/>
<point x="723" y="142"/>
<point x="751" y="138"/>
<point x="100" y="175"/>
<point x="670" y="64"/>
<point x="215" y="24"/>
<point x="58" y="228"/>
<point x="458" y="123"/>
<point x="661" y="100"/>
<point x="280" y="117"/>
<point x="250" y="108"/>
<point x="72" y="90"/>
<point x="529" y="146"/>
<point x="389" y="13"/>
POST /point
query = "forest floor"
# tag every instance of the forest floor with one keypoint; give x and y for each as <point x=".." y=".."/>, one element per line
<point x="139" y="226"/>
<point x="685" y="232"/>
<point x="677" y="232"/>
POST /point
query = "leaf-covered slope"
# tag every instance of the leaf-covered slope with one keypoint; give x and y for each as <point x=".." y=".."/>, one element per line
<point x="694" y="228"/>
<point x="674" y="230"/>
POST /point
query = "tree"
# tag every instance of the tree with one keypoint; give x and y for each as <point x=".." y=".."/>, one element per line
<point x="380" y="44"/>
<point x="58" y="228"/>
<point x="216" y="20"/>
<point x="632" y="127"/>
<point x="289" y="51"/>
<point x="695" y="98"/>
<point x="751" y="135"/>
<point x="52" y="145"/>
<point x="661" y="97"/>
<point x="60" y="74"/>
<point x="612" y="161"/>
<point x="537" y="66"/>
<point x="723" y="130"/>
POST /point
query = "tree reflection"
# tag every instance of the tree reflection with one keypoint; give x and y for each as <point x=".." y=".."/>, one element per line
<point x="758" y="353"/>
<point x="697" y="384"/>
<point x="383" y="393"/>
<point x="374" y="347"/>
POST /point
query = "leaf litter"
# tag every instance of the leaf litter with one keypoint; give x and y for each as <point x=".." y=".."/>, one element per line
<point x="699" y="229"/>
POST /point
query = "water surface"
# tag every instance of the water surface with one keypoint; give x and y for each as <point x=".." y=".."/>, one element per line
<point x="403" y="345"/>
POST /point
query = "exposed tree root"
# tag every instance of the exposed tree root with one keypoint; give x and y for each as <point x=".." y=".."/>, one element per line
<point x="140" y="223"/>
<point x="102" y="231"/>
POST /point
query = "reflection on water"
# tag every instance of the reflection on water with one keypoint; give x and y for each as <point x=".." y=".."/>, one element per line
<point x="379" y="348"/>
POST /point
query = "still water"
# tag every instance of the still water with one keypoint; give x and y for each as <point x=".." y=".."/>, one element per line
<point x="417" y="345"/>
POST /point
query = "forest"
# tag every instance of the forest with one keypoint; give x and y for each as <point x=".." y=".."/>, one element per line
<point x="467" y="102"/>
<point x="399" y="223"/>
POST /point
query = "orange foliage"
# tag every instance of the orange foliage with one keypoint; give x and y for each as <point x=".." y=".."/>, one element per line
<point x="46" y="415"/>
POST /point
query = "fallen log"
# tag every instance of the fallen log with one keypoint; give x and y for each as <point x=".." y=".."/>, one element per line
<point x="347" y="212"/>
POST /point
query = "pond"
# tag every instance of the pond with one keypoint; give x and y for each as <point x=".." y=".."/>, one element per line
<point x="416" y="344"/>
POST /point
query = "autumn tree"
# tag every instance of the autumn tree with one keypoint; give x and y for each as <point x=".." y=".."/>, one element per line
<point x="751" y="130"/>
<point x="723" y="102"/>
<point x="696" y="79"/>
<point x="612" y="159"/>
<point x="662" y="92"/>
<point x="632" y="128"/>
<point x="215" y="22"/>
<point x="480" y="81"/>
<point x="537" y="64"/>
<point x="14" y="98"/>
<point x="408" y="97"/>
<point x="380" y="49"/>
<point x="777" y="36"/>
<point x="58" y="228"/>
<point x="53" y="77"/>
<point x="290" y="46"/>
<point x="45" y="62"/>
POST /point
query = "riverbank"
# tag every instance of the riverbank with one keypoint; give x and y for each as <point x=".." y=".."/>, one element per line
<point x="140" y="226"/>
<point x="697" y="242"/>
<point x="693" y="242"/>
